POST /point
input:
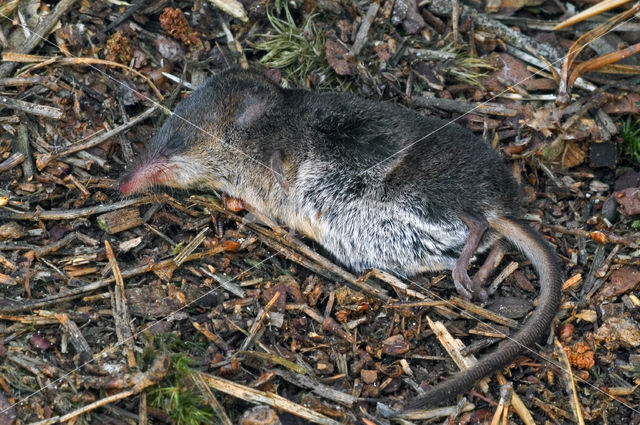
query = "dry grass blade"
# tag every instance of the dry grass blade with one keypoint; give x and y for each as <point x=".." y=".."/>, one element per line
<point x="599" y="62"/>
<point x="483" y="312"/>
<point x="274" y="400"/>
<point x="564" y="91"/>
<point x="212" y="400"/>
<point x="257" y="324"/>
<point x="592" y="11"/>
<point x="453" y="346"/>
<point x="502" y="411"/>
<point x="516" y="403"/>
<point x="570" y="383"/>
<point x="120" y="310"/>
<point x="621" y="69"/>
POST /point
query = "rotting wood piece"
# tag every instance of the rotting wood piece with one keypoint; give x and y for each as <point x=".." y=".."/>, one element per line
<point x="118" y="221"/>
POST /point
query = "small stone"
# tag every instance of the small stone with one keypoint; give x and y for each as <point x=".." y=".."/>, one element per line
<point x="610" y="210"/>
<point x="260" y="415"/>
<point x="621" y="281"/>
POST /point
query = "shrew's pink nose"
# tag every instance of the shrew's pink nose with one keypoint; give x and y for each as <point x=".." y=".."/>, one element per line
<point x="143" y="177"/>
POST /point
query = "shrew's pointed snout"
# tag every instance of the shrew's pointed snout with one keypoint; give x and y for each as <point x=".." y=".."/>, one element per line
<point x="144" y="176"/>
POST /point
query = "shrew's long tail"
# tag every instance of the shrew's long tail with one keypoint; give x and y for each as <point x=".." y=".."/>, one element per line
<point x="544" y="260"/>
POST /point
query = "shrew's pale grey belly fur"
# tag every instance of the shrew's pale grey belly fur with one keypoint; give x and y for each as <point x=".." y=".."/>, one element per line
<point x="390" y="239"/>
<point x="357" y="224"/>
<point x="362" y="230"/>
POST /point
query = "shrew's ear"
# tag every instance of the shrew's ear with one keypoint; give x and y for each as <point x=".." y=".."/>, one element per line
<point x="253" y="106"/>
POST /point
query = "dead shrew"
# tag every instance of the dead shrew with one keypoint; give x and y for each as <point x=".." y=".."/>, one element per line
<point x="347" y="173"/>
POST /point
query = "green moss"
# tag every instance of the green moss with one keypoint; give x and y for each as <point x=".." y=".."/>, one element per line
<point x="296" y="50"/>
<point x="631" y="138"/>
<point x="176" y="394"/>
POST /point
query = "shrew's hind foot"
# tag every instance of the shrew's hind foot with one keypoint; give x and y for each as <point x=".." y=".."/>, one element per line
<point x="464" y="285"/>
<point x="489" y="266"/>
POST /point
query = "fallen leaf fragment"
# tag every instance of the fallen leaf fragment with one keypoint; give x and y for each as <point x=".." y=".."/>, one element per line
<point x="336" y="55"/>
<point x="543" y="120"/>
<point x="39" y="342"/>
<point x="587" y="315"/>
<point x="621" y="281"/>
<point x="280" y="302"/>
<point x="573" y="156"/>
<point x="395" y="345"/>
<point x="598" y="236"/>
<point x="627" y="104"/>
<point x="629" y="200"/>
<point x="260" y="415"/>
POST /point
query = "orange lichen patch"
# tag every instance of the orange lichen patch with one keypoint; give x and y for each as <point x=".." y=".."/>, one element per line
<point x="580" y="355"/>
<point x="174" y="22"/>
